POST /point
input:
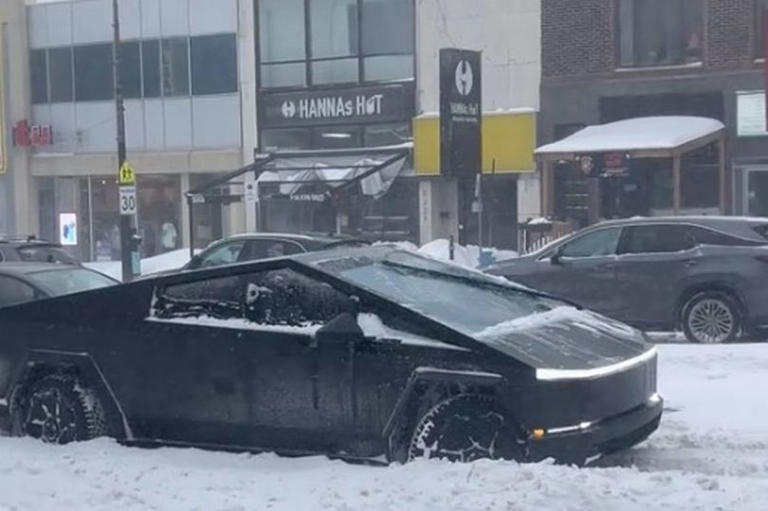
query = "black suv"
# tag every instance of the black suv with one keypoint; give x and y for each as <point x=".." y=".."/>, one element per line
<point x="706" y="274"/>
<point x="31" y="249"/>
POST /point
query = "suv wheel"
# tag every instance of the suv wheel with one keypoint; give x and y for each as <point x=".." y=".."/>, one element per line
<point x="711" y="317"/>
<point x="59" y="409"/>
<point x="464" y="428"/>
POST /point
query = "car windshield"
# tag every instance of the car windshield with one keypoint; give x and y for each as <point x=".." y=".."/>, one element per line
<point x="441" y="291"/>
<point x="70" y="280"/>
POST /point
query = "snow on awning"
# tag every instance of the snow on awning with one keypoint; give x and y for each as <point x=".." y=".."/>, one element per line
<point x="641" y="134"/>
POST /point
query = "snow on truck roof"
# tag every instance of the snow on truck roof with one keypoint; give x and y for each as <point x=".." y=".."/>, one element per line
<point x="640" y="133"/>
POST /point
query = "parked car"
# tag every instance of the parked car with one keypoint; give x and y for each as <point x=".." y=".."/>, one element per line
<point x="26" y="282"/>
<point x="358" y="353"/>
<point x="254" y="246"/>
<point x="31" y="249"/>
<point x="708" y="275"/>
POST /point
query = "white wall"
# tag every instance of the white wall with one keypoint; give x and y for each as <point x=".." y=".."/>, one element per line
<point x="508" y="32"/>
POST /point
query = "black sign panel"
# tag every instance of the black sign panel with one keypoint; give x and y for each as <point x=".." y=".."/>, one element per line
<point x="460" y="112"/>
<point x="389" y="103"/>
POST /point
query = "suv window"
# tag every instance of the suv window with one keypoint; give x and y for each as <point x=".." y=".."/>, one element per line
<point x="706" y="236"/>
<point x="14" y="291"/>
<point x="45" y="254"/>
<point x="645" y="239"/>
<point x="277" y="297"/>
<point x="227" y="253"/>
<point x="261" y="249"/>
<point x="602" y="242"/>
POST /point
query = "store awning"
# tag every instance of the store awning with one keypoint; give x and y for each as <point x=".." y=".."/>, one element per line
<point x="641" y="137"/>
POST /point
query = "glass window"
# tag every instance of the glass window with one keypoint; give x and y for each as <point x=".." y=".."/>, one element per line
<point x="283" y="75"/>
<point x="93" y="72"/>
<point x="130" y="69"/>
<point x="150" y="55"/>
<point x="705" y="236"/>
<point x="660" y="32"/>
<point x="700" y="186"/>
<point x="175" y="66"/>
<point x="159" y="213"/>
<point x="70" y="280"/>
<point x="281" y="30"/>
<point x="594" y="244"/>
<point x="388" y="67"/>
<point x="334" y="28"/>
<point x="38" y="75"/>
<point x="45" y="254"/>
<point x="656" y="238"/>
<point x="286" y="139"/>
<point x="387" y="134"/>
<point x="228" y="253"/>
<point x="214" y="64"/>
<point x="335" y="71"/>
<point x="388" y="26"/>
<point x="13" y="292"/>
<point x="60" y="67"/>
<point x="261" y="249"/>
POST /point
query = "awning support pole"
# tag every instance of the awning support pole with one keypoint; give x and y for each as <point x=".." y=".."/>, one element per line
<point x="676" y="186"/>
<point x="546" y="192"/>
<point x="721" y="163"/>
<point x="191" y="227"/>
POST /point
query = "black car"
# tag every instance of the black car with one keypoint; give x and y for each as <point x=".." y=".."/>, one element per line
<point x="26" y="282"/>
<point x="708" y="275"/>
<point x="360" y="353"/>
<point x="31" y="249"/>
<point x="254" y="246"/>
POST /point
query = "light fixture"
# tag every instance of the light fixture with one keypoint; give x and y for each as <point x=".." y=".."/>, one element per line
<point x="336" y="135"/>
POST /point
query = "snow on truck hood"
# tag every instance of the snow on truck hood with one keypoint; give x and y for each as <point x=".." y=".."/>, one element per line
<point x="569" y="343"/>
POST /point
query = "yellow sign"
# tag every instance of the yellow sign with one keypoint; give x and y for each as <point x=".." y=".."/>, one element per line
<point x="509" y="140"/>
<point x="127" y="175"/>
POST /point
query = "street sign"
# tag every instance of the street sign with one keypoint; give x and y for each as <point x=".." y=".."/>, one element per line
<point x="126" y="175"/>
<point x="127" y="200"/>
<point x="460" y="112"/>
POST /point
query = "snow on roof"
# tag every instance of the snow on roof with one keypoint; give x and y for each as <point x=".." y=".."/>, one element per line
<point x="664" y="132"/>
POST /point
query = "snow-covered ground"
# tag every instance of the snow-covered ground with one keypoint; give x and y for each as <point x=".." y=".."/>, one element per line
<point x="168" y="261"/>
<point x="710" y="453"/>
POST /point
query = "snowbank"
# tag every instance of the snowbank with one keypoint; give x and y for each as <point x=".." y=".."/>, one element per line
<point x="463" y="255"/>
<point x="710" y="453"/>
<point x="163" y="262"/>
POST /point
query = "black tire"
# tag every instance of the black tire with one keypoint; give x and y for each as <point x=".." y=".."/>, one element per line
<point x="711" y="317"/>
<point x="466" y="427"/>
<point x="60" y="409"/>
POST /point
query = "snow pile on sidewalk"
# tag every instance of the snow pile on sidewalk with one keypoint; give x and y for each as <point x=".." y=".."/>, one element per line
<point x="710" y="453"/>
<point x="464" y="255"/>
<point x="163" y="262"/>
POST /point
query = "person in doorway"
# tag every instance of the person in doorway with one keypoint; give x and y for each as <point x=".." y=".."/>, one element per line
<point x="168" y="236"/>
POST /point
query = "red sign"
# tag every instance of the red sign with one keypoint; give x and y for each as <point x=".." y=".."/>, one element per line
<point x="25" y="135"/>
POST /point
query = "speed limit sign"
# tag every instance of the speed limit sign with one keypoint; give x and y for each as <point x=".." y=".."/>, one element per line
<point x="127" y="200"/>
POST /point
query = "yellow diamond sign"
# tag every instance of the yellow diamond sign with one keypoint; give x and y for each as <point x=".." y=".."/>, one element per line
<point x="126" y="175"/>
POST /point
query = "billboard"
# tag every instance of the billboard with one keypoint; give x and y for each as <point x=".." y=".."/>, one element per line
<point x="460" y="112"/>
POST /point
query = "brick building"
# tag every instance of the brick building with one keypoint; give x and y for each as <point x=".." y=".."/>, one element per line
<point x="608" y="60"/>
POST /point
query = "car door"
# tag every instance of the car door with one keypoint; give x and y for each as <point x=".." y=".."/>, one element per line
<point x="237" y="363"/>
<point x="582" y="271"/>
<point x="653" y="260"/>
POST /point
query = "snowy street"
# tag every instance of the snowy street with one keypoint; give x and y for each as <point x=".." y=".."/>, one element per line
<point x="710" y="453"/>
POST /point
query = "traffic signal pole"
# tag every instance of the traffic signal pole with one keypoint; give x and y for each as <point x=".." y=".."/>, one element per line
<point x="127" y="204"/>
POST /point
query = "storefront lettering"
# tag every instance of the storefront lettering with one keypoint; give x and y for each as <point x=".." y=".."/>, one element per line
<point x="468" y="112"/>
<point x="333" y="107"/>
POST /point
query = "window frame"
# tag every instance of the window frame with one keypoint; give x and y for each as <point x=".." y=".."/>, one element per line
<point x="309" y="60"/>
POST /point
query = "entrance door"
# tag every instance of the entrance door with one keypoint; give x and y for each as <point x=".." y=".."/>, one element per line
<point x="755" y="201"/>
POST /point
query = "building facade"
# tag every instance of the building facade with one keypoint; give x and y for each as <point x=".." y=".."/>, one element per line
<point x="608" y="60"/>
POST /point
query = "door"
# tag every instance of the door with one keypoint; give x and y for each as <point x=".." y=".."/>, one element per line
<point x="653" y="261"/>
<point x="583" y="272"/>
<point x="233" y="360"/>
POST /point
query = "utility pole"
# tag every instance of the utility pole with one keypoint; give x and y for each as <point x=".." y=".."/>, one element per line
<point x="129" y="240"/>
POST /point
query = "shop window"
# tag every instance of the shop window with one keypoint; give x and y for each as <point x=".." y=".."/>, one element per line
<point x="130" y="69"/>
<point x="335" y="71"/>
<point x="387" y="134"/>
<point x="214" y="64"/>
<point x="150" y="64"/>
<point x="660" y="32"/>
<point x="159" y="206"/>
<point x="281" y="30"/>
<point x="175" y="65"/>
<point x="38" y="71"/>
<point x="93" y="72"/>
<point x="287" y="139"/>
<point x="60" y="67"/>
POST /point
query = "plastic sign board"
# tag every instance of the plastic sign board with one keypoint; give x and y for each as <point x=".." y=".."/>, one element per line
<point x="127" y="200"/>
<point x="68" y="229"/>
<point x="126" y="175"/>
<point x="460" y="112"/>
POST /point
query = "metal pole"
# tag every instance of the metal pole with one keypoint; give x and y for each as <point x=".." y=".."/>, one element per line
<point x="190" y="205"/>
<point x="126" y="220"/>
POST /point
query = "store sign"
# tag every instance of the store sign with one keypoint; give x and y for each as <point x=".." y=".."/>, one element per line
<point x="31" y="135"/>
<point x="68" y="229"/>
<point x="750" y="114"/>
<point x="460" y="112"/>
<point x="388" y="103"/>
